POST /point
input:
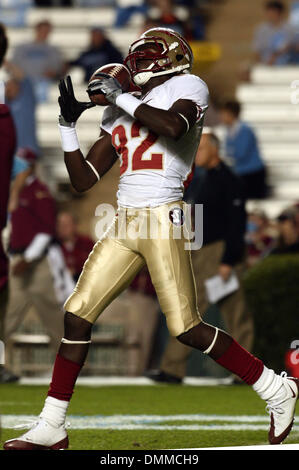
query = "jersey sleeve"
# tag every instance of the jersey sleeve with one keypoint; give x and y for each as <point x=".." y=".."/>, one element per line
<point x="109" y="117"/>
<point x="189" y="87"/>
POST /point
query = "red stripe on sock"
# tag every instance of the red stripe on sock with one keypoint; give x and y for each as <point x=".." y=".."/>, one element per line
<point x="64" y="377"/>
<point x="240" y="362"/>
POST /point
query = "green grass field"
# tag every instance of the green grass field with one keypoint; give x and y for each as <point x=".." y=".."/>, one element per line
<point x="223" y="416"/>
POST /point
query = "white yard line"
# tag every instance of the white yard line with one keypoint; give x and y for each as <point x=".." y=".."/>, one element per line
<point x="106" y="381"/>
<point x="155" y="422"/>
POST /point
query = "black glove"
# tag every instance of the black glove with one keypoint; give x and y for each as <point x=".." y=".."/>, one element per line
<point x="70" y="108"/>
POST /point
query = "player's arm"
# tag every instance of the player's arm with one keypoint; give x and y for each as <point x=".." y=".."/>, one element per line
<point x="84" y="173"/>
<point x="173" y="123"/>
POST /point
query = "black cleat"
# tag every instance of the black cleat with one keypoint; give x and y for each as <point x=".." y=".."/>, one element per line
<point x="7" y="377"/>
<point x="162" y="377"/>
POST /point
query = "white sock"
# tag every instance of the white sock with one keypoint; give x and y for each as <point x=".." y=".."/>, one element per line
<point x="270" y="385"/>
<point x="54" y="411"/>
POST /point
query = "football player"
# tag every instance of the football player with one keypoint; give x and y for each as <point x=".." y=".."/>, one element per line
<point x="155" y="135"/>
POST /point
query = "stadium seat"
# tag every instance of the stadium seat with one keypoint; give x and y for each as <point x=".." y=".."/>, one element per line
<point x="267" y="103"/>
<point x="270" y="75"/>
<point x="270" y="113"/>
<point x="72" y="40"/>
<point x="257" y="94"/>
<point x="76" y="17"/>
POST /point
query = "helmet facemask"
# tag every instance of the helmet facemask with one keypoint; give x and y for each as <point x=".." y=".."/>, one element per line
<point x="157" y="50"/>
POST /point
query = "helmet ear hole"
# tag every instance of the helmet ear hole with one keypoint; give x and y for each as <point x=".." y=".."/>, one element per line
<point x="179" y="57"/>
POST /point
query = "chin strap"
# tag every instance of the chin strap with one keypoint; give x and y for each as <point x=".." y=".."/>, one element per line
<point x="67" y="341"/>
<point x="142" y="78"/>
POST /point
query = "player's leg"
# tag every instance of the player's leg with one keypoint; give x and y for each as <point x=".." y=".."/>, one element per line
<point x="108" y="270"/>
<point x="280" y="392"/>
<point x="171" y="271"/>
<point x="172" y="275"/>
<point x="227" y="352"/>
<point x="205" y="263"/>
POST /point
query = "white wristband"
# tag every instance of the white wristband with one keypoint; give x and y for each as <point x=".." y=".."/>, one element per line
<point x="128" y="103"/>
<point x="69" y="138"/>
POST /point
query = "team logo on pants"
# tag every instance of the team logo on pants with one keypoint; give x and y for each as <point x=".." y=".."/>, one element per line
<point x="176" y="216"/>
<point x="144" y="224"/>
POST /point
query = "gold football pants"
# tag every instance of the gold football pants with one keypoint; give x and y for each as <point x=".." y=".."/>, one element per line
<point x="152" y="238"/>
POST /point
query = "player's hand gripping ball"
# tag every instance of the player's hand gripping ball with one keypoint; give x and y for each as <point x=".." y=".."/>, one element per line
<point x="107" y="83"/>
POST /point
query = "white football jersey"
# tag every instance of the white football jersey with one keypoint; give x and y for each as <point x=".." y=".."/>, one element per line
<point x="153" y="168"/>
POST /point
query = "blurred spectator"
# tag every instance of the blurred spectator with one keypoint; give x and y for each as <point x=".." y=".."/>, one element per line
<point x="19" y="165"/>
<point x="222" y="254"/>
<point x="101" y="51"/>
<point x="294" y="22"/>
<point x="294" y="13"/>
<point x="53" y="3"/>
<point x="260" y="237"/>
<point x="20" y="172"/>
<point x="75" y="247"/>
<point x="92" y="3"/>
<point x="39" y="60"/>
<point x="7" y="149"/>
<point x="21" y="100"/>
<point x="126" y="9"/>
<point x="212" y="115"/>
<point x="288" y="241"/>
<point x="196" y="25"/>
<point x="38" y="276"/>
<point x="274" y="38"/>
<point x="242" y="148"/>
<point x="296" y="208"/>
<point x="148" y="24"/>
<point x="13" y="12"/>
<point x="169" y="15"/>
<point x="211" y="120"/>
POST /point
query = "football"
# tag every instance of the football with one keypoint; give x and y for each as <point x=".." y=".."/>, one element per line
<point x="117" y="71"/>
